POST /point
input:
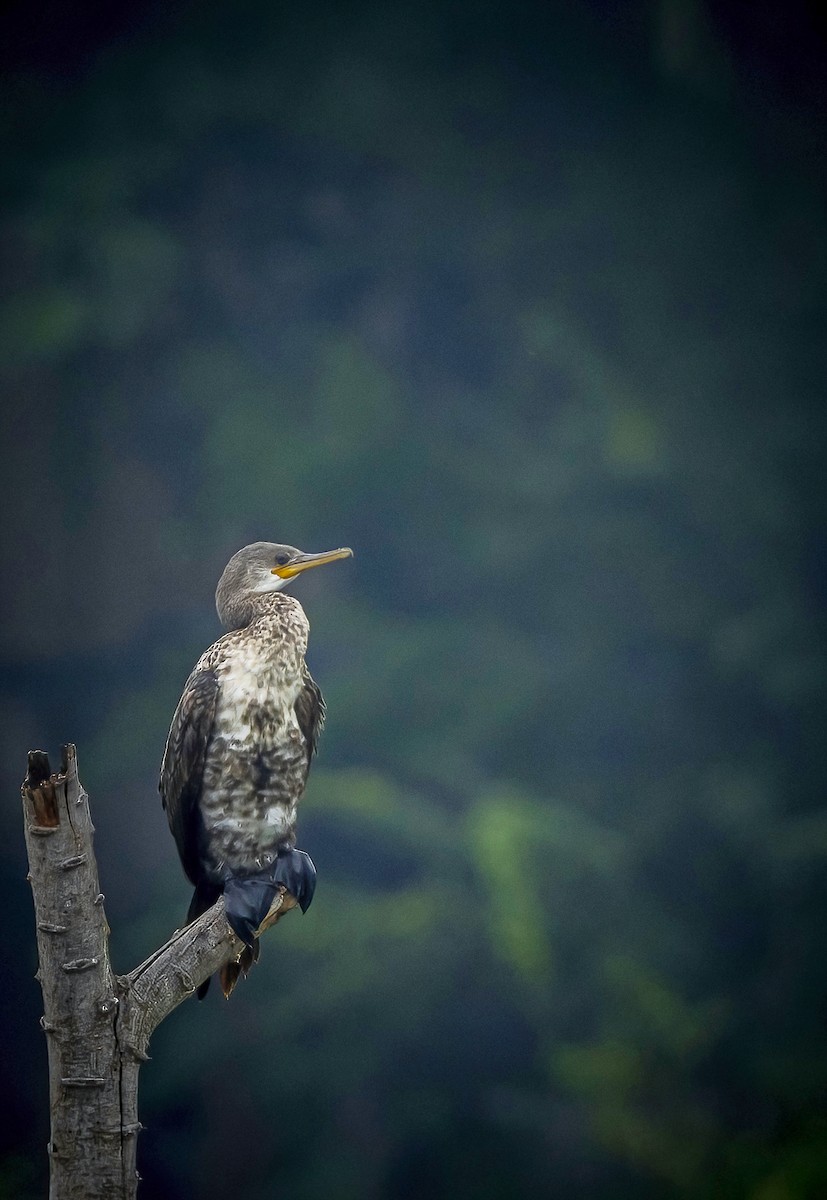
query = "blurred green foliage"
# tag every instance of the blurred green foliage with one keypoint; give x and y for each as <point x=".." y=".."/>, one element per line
<point x="530" y="319"/>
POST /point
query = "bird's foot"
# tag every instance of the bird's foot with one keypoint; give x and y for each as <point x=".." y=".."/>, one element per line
<point x="281" y="905"/>
<point x="295" y="871"/>
<point x="248" y="899"/>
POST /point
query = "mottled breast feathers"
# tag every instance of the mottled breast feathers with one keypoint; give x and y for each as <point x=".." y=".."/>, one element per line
<point x="188" y="744"/>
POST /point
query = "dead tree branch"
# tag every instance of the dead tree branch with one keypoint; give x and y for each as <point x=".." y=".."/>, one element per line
<point x="98" y="1024"/>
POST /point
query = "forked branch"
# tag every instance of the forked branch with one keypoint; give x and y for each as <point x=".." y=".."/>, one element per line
<point x="99" y="1024"/>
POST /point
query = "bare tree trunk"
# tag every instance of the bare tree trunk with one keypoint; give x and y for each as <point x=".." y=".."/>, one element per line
<point x="98" y="1025"/>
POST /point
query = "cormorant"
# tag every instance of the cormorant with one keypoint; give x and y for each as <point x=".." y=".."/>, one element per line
<point x="240" y="744"/>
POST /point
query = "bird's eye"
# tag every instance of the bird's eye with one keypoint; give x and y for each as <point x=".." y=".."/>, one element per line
<point x="281" y="559"/>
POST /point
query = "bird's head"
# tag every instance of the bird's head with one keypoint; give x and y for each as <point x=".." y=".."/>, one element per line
<point x="258" y="569"/>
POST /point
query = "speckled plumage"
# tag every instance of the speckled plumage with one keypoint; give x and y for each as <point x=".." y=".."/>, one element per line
<point x="265" y="713"/>
<point x="240" y="744"/>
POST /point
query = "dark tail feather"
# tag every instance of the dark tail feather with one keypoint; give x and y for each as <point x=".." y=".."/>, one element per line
<point x="204" y="897"/>
<point x="230" y="972"/>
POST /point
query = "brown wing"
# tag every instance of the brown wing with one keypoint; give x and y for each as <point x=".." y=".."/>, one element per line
<point x="310" y="712"/>
<point x="182" y="769"/>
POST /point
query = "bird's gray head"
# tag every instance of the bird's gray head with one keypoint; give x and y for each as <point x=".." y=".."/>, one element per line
<point x="258" y="569"/>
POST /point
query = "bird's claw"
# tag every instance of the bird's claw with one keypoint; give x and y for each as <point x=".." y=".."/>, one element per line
<point x="294" y="870"/>
<point x="248" y="899"/>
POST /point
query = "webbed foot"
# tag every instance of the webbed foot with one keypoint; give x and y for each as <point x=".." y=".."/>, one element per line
<point x="247" y="901"/>
<point x="295" y="871"/>
<point x="247" y="898"/>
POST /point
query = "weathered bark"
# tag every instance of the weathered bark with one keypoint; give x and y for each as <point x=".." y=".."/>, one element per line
<point x="98" y="1024"/>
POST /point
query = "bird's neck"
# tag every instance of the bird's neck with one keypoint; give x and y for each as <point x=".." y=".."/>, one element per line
<point x="243" y="610"/>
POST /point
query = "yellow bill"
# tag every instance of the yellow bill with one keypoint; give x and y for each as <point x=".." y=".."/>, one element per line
<point x="303" y="562"/>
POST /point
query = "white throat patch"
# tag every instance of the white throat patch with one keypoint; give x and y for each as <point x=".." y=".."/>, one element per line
<point x="268" y="582"/>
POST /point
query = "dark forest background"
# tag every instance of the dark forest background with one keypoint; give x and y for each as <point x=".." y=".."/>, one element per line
<point x="525" y="302"/>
